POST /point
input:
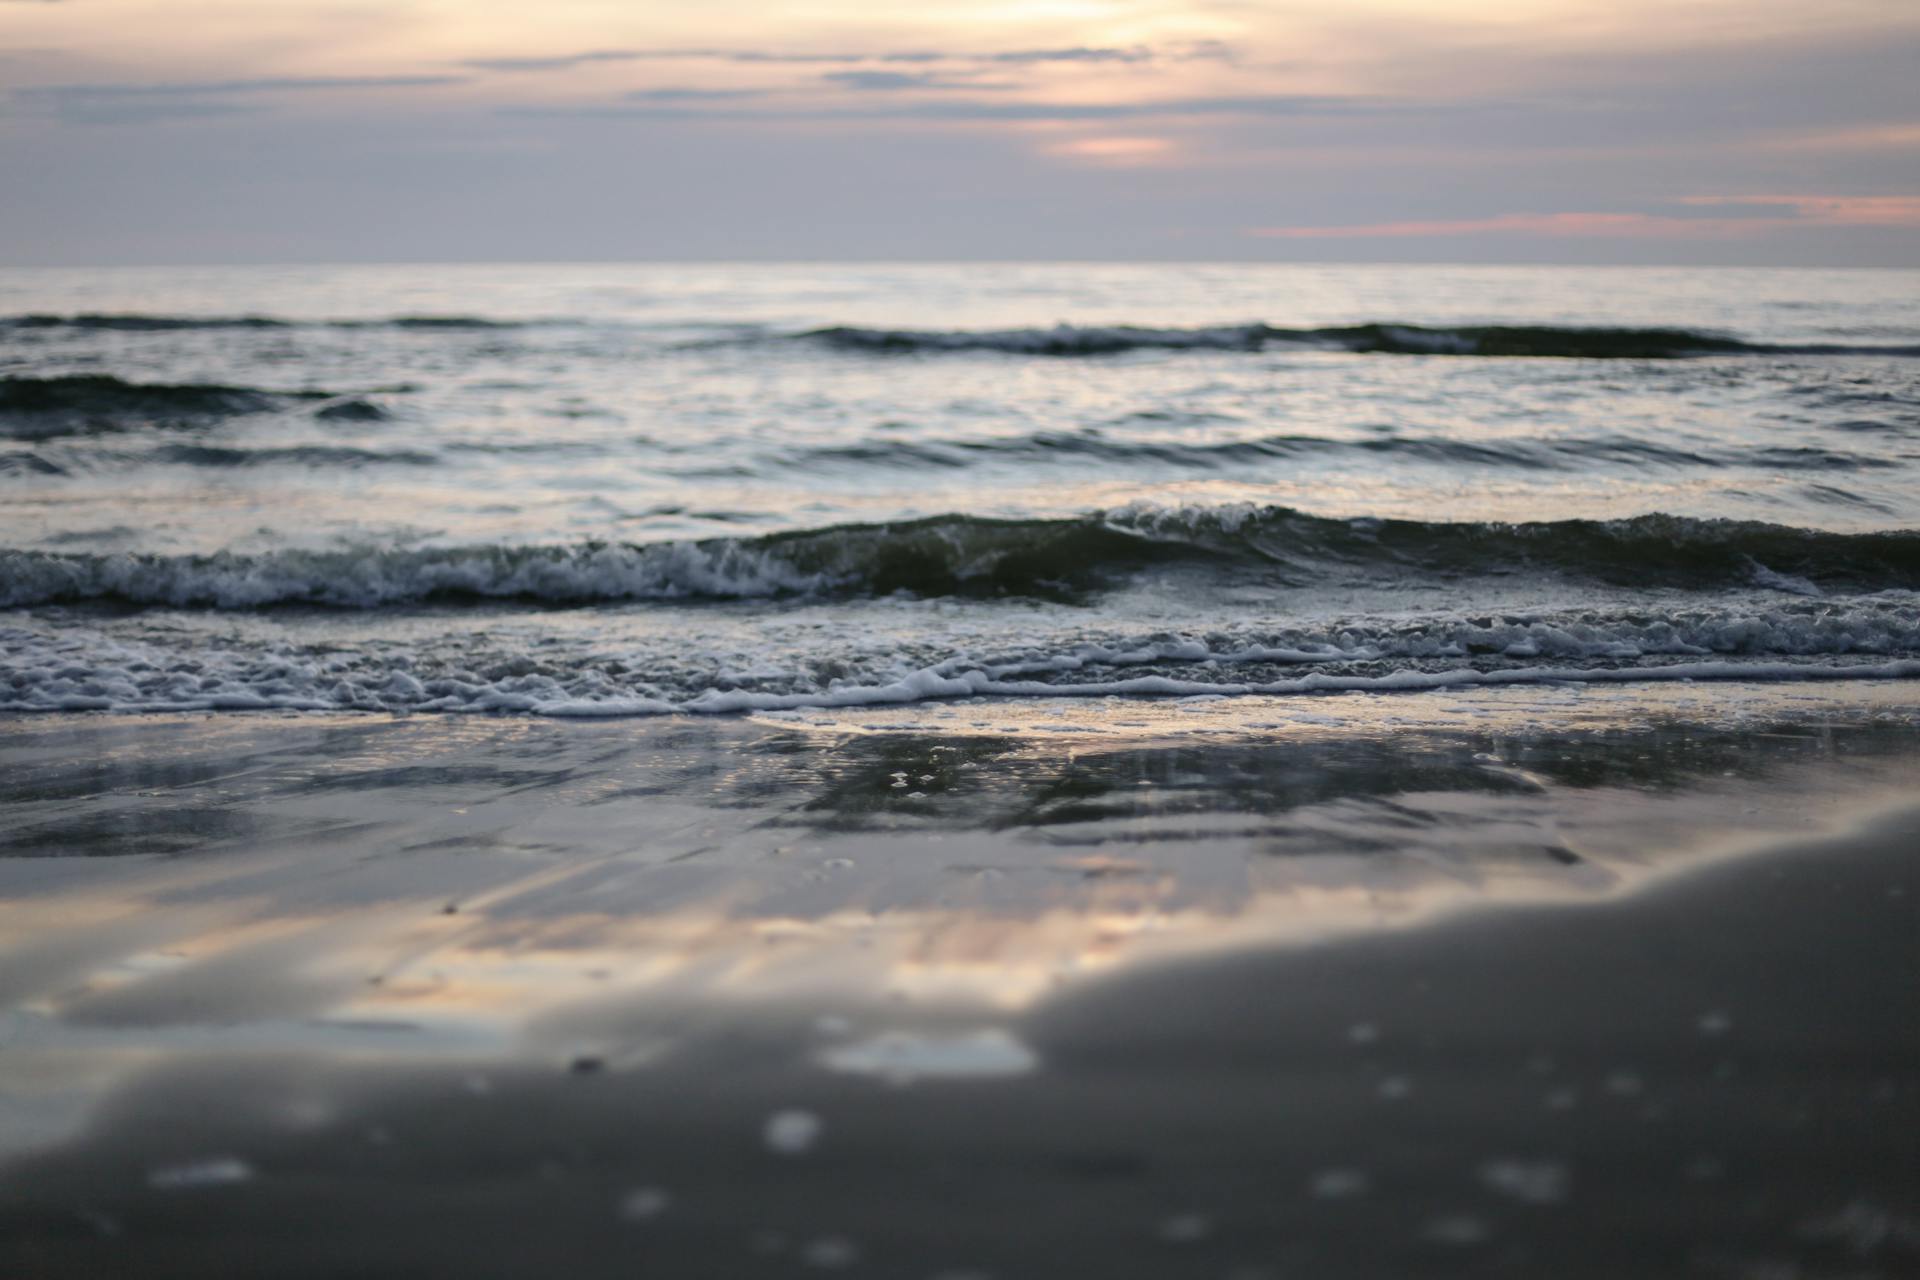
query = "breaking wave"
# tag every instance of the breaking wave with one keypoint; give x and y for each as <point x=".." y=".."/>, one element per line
<point x="1390" y="337"/>
<point x="977" y="556"/>
<point x="43" y="408"/>
<point x="1401" y="339"/>
<point x="472" y="670"/>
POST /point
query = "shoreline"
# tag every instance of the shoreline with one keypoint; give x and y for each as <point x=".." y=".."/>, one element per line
<point x="1567" y="982"/>
<point x="1391" y="1104"/>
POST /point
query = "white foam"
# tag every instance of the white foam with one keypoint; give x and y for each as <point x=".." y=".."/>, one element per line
<point x="902" y="1056"/>
<point x="217" y="1171"/>
<point x="56" y="665"/>
<point x="372" y="577"/>
<point x="792" y="1133"/>
<point x="1765" y="577"/>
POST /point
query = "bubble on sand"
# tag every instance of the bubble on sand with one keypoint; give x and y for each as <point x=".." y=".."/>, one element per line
<point x="644" y="1202"/>
<point x="1337" y="1184"/>
<point x="831" y="1253"/>
<point x="220" y="1171"/>
<point x="1528" y="1181"/>
<point x="1185" y="1228"/>
<point x="1363" y="1033"/>
<point x="1395" y="1088"/>
<point x="1865" y="1228"/>
<point x="103" y="1225"/>
<point x="793" y="1133"/>
<point x="903" y="1056"/>
<point x="1705" y="1168"/>
<point x="1715" y="1022"/>
<point x="1455" y="1229"/>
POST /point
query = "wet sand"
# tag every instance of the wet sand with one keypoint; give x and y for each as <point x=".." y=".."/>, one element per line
<point x="1333" y="987"/>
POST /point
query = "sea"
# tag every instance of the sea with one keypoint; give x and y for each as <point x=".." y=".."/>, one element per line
<point x="653" y="489"/>
<point x="959" y="771"/>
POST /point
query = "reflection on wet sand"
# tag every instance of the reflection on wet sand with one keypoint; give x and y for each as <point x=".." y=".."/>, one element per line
<point x="1154" y="990"/>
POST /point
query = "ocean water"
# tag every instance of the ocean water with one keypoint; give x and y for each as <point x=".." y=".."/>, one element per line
<point x="627" y="490"/>
<point x="1237" y="771"/>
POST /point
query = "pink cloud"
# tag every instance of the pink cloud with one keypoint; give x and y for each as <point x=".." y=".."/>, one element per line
<point x="1796" y="211"/>
<point x="1832" y="211"/>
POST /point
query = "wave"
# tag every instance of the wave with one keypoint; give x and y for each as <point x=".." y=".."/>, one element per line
<point x="77" y="404"/>
<point x="220" y="456"/>
<point x="129" y="323"/>
<point x="1066" y="340"/>
<point x="114" y="322"/>
<point x="975" y="556"/>
<point x="206" y="455"/>
<point x="29" y="464"/>
<point x="78" y="668"/>
<point x="1536" y="454"/>
<point x="1399" y="339"/>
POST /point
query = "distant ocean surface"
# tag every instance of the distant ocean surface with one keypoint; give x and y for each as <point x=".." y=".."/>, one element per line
<point x="640" y="489"/>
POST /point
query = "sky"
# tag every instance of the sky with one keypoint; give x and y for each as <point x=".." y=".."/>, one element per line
<point x="1769" y="132"/>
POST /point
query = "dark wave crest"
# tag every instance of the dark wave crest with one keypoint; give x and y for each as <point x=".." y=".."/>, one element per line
<point x="43" y="408"/>
<point x="1067" y="340"/>
<point x="1399" y="339"/>
<point x="1530" y="454"/>
<point x="217" y="456"/>
<point x="131" y="323"/>
<point x="967" y="555"/>
<point x="116" y="322"/>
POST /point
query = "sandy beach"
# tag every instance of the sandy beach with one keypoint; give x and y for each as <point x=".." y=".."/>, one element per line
<point x="1238" y="989"/>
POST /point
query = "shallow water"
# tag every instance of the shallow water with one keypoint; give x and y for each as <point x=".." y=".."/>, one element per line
<point x="1588" y="980"/>
<point x="622" y="490"/>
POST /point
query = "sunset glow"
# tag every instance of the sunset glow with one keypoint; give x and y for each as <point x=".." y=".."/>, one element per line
<point x="1586" y="125"/>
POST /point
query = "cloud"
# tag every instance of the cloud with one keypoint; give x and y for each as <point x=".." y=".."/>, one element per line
<point x="192" y="100"/>
<point x="778" y="56"/>
<point x="1531" y="224"/>
<point x="563" y="61"/>
<point x="148" y="111"/>
<point x="675" y="93"/>
<point x="968" y="109"/>
<point x="1728" y="216"/>
<point x="1254" y="105"/>
<point x="1863" y="137"/>
<point x="1190" y="51"/>
<point x="1080" y="54"/>
<point x="557" y="62"/>
<point x="886" y="81"/>
<point x="1829" y="211"/>
<point x="223" y="88"/>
